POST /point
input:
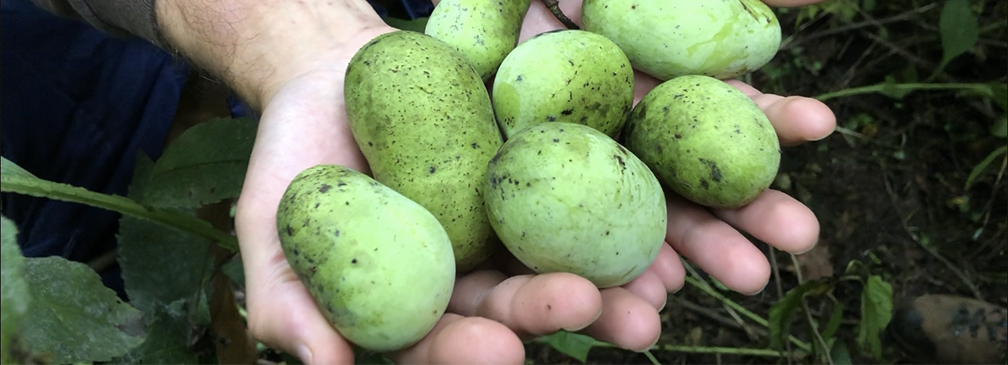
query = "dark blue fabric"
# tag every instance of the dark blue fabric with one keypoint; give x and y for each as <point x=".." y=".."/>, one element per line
<point x="77" y="106"/>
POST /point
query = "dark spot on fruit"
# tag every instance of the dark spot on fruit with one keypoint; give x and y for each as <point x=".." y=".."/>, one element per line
<point x="523" y="234"/>
<point x="324" y="188"/>
<point x="432" y="169"/>
<point x="677" y="136"/>
<point x="567" y="112"/>
<point x="340" y="184"/>
<point x="550" y="118"/>
<point x="297" y="252"/>
<point x="475" y="145"/>
<point x="519" y="78"/>
<point x="606" y="233"/>
<point x="556" y="140"/>
<point x="370" y="144"/>
<point x="528" y="184"/>
<point x="336" y="233"/>
<point x="715" y="172"/>
<point x="316" y="205"/>
<point x="704" y="184"/>
<point x="354" y="261"/>
<point x="620" y="160"/>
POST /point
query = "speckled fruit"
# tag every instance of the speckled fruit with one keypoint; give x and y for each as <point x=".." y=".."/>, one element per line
<point x="564" y="76"/>
<point x="422" y="118"/>
<point x="705" y="140"/>
<point x="564" y="197"/>
<point x="669" y="38"/>
<point x="379" y="265"/>
<point x="484" y="31"/>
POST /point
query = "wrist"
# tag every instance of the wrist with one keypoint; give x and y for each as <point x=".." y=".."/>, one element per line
<point x="256" y="46"/>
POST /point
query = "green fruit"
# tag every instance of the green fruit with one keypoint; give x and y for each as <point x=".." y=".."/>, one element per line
<point x="484" y="31"/>
<point x="564" y="76"/>
<point x="669" y="38"/>
<point x="705" y="140"/>
<point x="423" y="120"/>
<point x="379" y="265"/>
<point x="564" y="197"/>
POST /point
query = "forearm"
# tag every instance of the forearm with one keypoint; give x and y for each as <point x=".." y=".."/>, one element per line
<point x="255" y="45"/>
<point x="250" y="44"/>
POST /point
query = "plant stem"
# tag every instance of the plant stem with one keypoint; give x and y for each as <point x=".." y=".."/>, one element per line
<point x="51" y="190"/>
<point x="554" y="7"/>
<point x="900" y="87"/>
<point x="723" y="350"/>
<point x="753" y="316"/>
<point x="708" y="350"/>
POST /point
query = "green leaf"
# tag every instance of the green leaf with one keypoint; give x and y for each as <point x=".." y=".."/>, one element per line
<point x="416" y="25"/>
<point x="999" y="94"/>
<point x="16" y="180"/>
<point x="167" y="340"/>
<point x="1000" y="129"/>
<point x="8" y="168"/>
<point x="835" y="320"/>
<point x="982" y="165"/>
<point x="573" y="344"/>
<point x="876" y="311"/>
<point x="159" y="264"/>
<point x="779" y="318"/>
<point x="74" y="316"/>
<point x="959" y="30"/>
<point x="206" y="164"/>
<point x="840" y="354"/>
<point x="16" y="297"/>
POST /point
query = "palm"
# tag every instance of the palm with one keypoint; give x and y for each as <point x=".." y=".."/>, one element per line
<point x="305" y="125"/>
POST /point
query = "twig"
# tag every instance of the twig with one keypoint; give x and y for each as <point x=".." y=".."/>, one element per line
<point x="931" y="250"/>
<point x="702" y="285"/>
<point x="775" y="269"/>
<point x="723" y="350"/>
<point x="714" y="316"/>
<point x="808" y="313"/>
<point x="854" y="26"/>
<point x="554" y="7"/>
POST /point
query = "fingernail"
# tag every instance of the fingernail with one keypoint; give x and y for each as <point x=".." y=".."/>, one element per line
<point x="304" y="354"/>
<point x="758" y="291"/>
<point x="808" y="249"/>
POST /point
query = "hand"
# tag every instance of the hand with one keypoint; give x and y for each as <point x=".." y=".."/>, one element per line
<point x="288" y="59"/>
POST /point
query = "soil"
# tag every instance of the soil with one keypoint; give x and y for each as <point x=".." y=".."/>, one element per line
<point x="888" y="187"/>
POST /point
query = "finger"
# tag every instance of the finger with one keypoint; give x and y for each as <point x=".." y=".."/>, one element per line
<point x="796" y="119"/>
<point x="628" y="321"/>
<point x="539" y="19"/>
<point x="649" y="286"/>
<point x="464" y="340"/>
<point x="530" y="305"/>
<point x="718" y="248"/>
<point x="284" y="316"/>
<point x="669" y="269"/>
<point x="777" y="219"/>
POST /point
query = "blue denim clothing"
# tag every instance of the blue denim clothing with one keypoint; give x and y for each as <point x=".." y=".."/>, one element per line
<point x="77" y="106"/>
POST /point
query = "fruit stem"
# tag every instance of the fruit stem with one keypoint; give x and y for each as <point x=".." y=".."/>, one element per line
<point x="554" y="7"/>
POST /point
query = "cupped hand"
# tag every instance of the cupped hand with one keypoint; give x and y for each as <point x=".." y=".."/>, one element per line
<point x="303" y="123"/>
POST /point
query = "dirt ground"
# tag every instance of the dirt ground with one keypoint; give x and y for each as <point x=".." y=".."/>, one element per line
<point x="888" y="188"/>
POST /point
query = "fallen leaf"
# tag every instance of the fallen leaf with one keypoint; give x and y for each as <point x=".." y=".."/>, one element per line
<point x="817" y="263"/>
